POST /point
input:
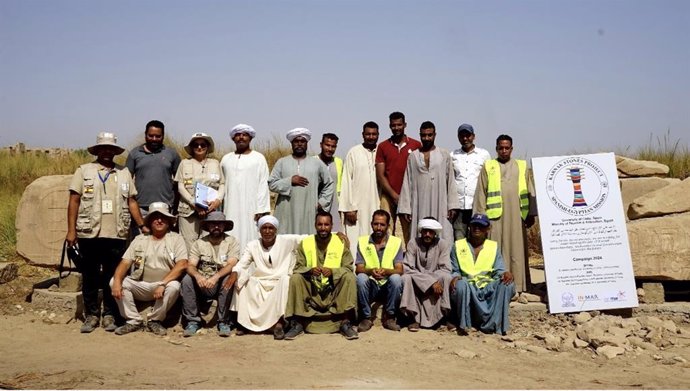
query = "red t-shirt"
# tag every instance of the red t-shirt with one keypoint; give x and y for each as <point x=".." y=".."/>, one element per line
<point x="395" y="159"/>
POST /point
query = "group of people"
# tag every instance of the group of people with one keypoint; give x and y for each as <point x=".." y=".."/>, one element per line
<point x="437" y="237"/>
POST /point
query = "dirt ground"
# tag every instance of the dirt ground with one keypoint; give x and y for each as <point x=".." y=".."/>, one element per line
<point x="43" y="350"/>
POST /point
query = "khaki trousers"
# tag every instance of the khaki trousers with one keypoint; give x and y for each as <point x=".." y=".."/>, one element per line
<point x="133" y="290"/>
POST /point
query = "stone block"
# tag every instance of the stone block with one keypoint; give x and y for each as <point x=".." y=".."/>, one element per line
<point x="70" y="303"/>
<point x="632" y="188"/>
<point x="653" y="292"/>
<point x="667" y="200"/>
<point x="41" y="220"/>
<point x="8" y="272"/>
<point x="660" y="247"/>
<point x="640" y="168"/>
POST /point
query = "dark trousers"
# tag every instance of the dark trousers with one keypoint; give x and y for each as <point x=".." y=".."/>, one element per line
<point x="101" y="257"/>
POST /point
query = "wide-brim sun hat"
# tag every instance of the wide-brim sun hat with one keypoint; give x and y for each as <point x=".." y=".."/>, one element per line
<point x="158" y="207"/>
<point x="203" y="136"/>
<point x="105" y="139"/>
<point x="217" y="217"/>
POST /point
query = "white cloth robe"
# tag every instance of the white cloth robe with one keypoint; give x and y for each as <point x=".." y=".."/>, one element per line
<point x="246" y="193"/>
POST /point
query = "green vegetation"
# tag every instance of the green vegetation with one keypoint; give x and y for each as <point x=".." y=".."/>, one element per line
<point x="665" y="151"/>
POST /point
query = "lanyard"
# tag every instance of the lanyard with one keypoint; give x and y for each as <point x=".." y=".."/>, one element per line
<point x="104" y="180"/>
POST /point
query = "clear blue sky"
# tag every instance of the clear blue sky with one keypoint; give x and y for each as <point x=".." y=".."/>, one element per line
<point x="557" y="76"/>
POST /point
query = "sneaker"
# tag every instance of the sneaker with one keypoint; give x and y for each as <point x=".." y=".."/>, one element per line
<point x="390" y="324"/>
<point x="278" y="332"/>
<point x="295" y="330"/>
<point x="223" y="330"/>
<point x="348" y="331"/>
<point x="90" y="324"/>
<point x="109" y="323"/>
<point x="127" y="328"/>
<point x="191" y="329"/>
<point x="413" y="327"/>
<point x="364" y="325"/>
<point x="156" y="327"/>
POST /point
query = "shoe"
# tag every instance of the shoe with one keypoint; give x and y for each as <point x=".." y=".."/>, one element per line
<point x="278" y="332"/>
<point x="109" y="323"/>
<point x="348" y="331"/>
<point x="191" y="329"/>
<point x="240" y="332"/>
<point x="127" y="328"/>
<point x="414" y="327"/>
<point x="451" y="327"/>
<point x="90" y="324"/>
<point x="364" y="325"/>
<point x="156" y="327"/>
<point x="224" y="330"/>
<point x="295" y="330"/>
<point x="463" y="331"/>
<point x="391" y="324"/>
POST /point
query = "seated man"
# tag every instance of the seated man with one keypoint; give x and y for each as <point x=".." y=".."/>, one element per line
<point x="156" y="262"/>
<point x="379" y="266"/>
<point x="211" y="260"/>
<point x="322" y="297"/>
<point x="481" y="288"/>
<point x="427" y="276"/>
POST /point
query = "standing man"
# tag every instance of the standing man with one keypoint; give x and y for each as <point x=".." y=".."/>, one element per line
<point x="323" y="293"/>
<point x="303" y="184"/>
<point x="391" y="161"/>
<point x="428" y="187"/>
<point x="427" y="276"/>
<point x="101" y="204"/>
<point x="379" y="267"/>
<point x="467" y="164"/>
<point x="359" y="197"/>
<point x="329" y="143"/>
<point x="153" y="167"/>
<point x="246" y="185"/>
<point x="505" y="193"/>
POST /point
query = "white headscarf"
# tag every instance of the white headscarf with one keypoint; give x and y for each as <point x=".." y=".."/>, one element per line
<point x="429" y="224"/>
<point x="243" y="128"/>
<point x="298" y="132"/>
<point x="268" y="219"/>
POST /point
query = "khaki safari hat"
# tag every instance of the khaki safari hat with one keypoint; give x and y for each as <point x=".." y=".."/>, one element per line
<point x="217" y="217"/>
<point x="196" y="136"/>
<point x="105" y="139"/>
<point x="158" y="207"/>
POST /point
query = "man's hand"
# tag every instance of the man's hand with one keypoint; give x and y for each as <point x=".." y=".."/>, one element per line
<point x="452" y="215"/>
<point x="213" y="206"/>
<point x="201" y="212"/>
<point x="116" y="290"/>
<point x="507" y="278"/>
<point x="529" y="221"/>
<point x="406" y="217"/>
<point x="299" y="181"/>
<point x="158" y="292"/>
<point x="326" y="272"/>
<point x="316" y="271"/>
<point x="438" y="288"/>
<point x="230" y="281"/>
<point x="211" y="282"/>
<point x="376" y="273"/>
<point x="351" y="217"/>
<point x="452" y="284"/>
<point x="145" y="230"/>
<point x="200" y="280"/>
<point x="344" y="238"/>
<point x="71" y="238"/>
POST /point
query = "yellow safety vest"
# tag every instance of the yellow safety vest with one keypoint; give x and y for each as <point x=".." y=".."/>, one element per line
<point x="479" y="272"/>
<point x="494" y="200"/>
<point x="339" y="172"/>
<point x="334" y="256"/>
<point x="371" y="256"/>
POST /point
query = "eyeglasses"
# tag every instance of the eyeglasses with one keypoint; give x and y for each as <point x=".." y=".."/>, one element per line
<point x="200" y="145"/>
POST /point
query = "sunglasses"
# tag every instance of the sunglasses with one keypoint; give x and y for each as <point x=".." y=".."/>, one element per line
<point x="200" y="145"/>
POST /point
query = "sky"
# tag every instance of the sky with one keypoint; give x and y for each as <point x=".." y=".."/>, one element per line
<point x="560" y="77"/>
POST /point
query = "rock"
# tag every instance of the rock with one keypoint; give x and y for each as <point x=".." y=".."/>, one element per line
<point x="578" y="343"/>
<point x="70" y="303"/>
<point x="633" y="188"/>
<point x="680" y="359"/>
<point x="610" y="340"/>
<point x="41" y="219"/>
<point x="536" y="349"/>
<point x="507" y="338"/>
<point x="552" y="342"/>
<point x="651" y="322"/>
<point x="466" y="354"/>
<point x="670" y="326"/>
<point x="660" y="248"/>
<point x="640" y="295"/>
<point x="640" y="168"/>
<point x="640" y="343"/>
<point x="610" y="351"/>
<point x="587" y="332"/>
<point x="19" y="307"/>
<point x="71" y="283"/>
<point x="531" y="298"/>
<point x="667" y="200"/>
<point x="619" y="332"/>
<point x="521" y="344"/>
<point x="582" y="317"/>
<point x="8" y="272"/>
<point x="630" y="323"/>
<point x="657" y="357"/>
<point x="522" y="299"/>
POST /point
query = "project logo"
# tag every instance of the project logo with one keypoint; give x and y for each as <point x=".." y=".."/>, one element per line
<point x="577" y="186"/>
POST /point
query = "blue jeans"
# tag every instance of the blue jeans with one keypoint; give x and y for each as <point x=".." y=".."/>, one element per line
<point x="368" y="290"/>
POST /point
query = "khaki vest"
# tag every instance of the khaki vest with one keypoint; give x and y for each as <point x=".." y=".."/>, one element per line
<point x="371" y="256"/>
<point x="479" y="272"/>
<point x="494" y="200"/>
<point x="211" y="178"/>
<point x="334" y="256"/>
<point x="209" y="261"/>
<point x="89" y="215"/>
<point x="140" y="246"/>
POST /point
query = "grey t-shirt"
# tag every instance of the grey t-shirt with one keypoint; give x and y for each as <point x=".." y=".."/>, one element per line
<point x="153" y="174"/>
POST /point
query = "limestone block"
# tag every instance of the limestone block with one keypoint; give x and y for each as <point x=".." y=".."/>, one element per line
<point x="660" y="247"/>
<point x="632" y="188"/>
<point x="640" y="168"/>
<point x="653" y="292"/>
<point x="610" y="351"/>
<point x="667" y="200"/>
<point x="8" y="271"/>
<point x="42" y="219"/>
<point x="71" y="303"/>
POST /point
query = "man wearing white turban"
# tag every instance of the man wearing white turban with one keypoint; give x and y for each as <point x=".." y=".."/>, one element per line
<point x="427" y="276"/>
<point x="303" y="185"/>
<point x="246" y="185"/>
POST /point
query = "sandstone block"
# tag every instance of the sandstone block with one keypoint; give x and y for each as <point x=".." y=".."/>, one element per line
<point x="610" y="351"/>
<point x="552" y="342"/>
<point x="633" y="188"/>
<point x="41" y="220"/>
<point x="8" y="271"/>
<point x="536" y="349"/>
<point x="578" y="343"/>
<point x="71" y="303"/>
<point x="582" y="317"/>
<point x="640" y="168"/>
<point x="666" y="200"/>
<point x="653" y="292"/>
<point x="466" y="354"/>
<point x="640" y="343"/>
<point x="660" y="247"/>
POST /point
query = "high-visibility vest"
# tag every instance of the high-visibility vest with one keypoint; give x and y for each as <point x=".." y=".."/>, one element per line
<point x="371" y="256"/>
<point x="338" y="171"/>
<point x="494" y="200"/>
<point x="479" y="272"/>
<point x="334" y="256"/>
